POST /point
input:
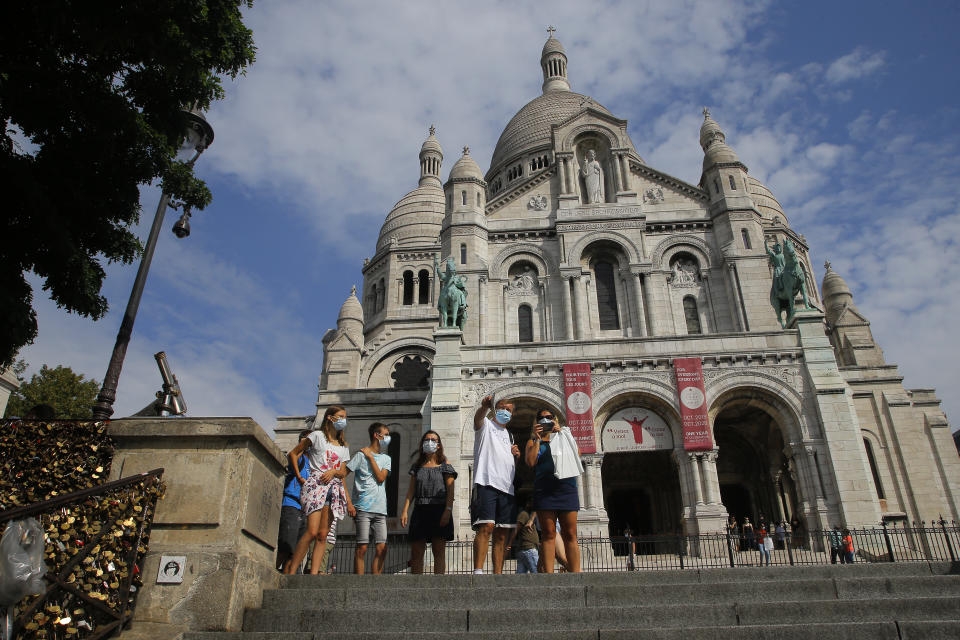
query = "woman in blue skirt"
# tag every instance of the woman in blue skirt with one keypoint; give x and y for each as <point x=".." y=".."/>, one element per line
<point x="555" y="499"/>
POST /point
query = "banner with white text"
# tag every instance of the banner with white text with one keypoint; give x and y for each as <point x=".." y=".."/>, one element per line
<point x="693" y="404"/>
<point x="578" y="402"/>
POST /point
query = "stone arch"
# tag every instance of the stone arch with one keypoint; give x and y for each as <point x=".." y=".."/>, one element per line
<point x="575" y="252"/>
<point x="780" y="400"/>
<point x="665" y="251"/>
<point x="500" y="265"/>
<point x="412" y="345"/>
<point x="600" y="129"/>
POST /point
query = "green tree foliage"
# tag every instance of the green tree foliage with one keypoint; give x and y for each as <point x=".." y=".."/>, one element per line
<point x="90" y="104"/>
<point x="70" y="395"/>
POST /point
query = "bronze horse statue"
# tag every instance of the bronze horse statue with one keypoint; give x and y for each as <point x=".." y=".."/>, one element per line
<point x="788" y="280"/>
<point x="452" y="301"/>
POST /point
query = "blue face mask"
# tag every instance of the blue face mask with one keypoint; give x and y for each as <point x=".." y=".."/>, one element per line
<point x="503" y="416"/>
<point x="340" y="424"/>
<point x="385" y="442"/>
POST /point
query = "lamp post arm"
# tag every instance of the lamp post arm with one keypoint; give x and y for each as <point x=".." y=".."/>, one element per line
<point x="103" y="408"/>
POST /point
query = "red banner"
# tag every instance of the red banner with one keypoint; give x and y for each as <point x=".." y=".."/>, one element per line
<point x="693" y="404"/>
<point x="578" y="402"/>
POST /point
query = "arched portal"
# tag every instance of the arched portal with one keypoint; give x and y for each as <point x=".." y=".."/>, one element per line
<point x="641" y="481"/>
<point x="752" y="467"/>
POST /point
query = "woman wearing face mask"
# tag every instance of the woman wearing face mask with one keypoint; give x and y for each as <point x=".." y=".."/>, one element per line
<point x="323" y="496"/>
<point x="431" y="491"/>
<point x="554" y="499"/>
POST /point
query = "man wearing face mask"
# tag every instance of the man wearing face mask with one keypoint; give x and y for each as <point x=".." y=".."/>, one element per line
<point x="371" y="466"/>
<point x="493" y="509"/>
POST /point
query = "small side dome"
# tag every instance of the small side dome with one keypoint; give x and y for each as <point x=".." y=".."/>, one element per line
<point x="713" y="142"/>
<point x="836" y="293"/>
<point x="466" y="167"/>
<point x="767" y="204"/>
<point x="351" y="309"/>
<point x="552" y="45"/>
<point x="431" y="143"/>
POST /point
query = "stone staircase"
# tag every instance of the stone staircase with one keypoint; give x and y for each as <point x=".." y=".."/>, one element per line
<point x="868" y="601"/>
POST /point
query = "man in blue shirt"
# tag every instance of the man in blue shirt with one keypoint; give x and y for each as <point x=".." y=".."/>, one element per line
<point x="370" y="466"/>
<point x="292" y="524"/>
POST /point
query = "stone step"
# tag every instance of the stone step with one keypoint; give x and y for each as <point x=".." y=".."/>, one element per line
<point x="504" y="620"/>
<point x="551" y="597"/>
<point x="687" y="576"/>
<point x="893" y="630"/>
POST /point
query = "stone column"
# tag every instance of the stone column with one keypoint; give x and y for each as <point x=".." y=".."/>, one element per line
<point x="625" y="160"/>
<point x="579" y="289"/>
<point x="562" y="171"/>
<point x="654" y="325"/>
<point x="567" y="308"/>
<point x="697" y="480"/>
<point x="482" y="310"/>
<point x="641" y="329"/>
<point x="445" y="391"/>
<point x="714" y="328"/>
<point x="710" y="480"/>
<point x="224" y="481"/>
<point x="615" y="170"/>
<point x="737" y="312"/>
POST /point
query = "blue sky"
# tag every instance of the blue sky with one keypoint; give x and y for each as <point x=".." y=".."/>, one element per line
<point x="848" y="112"/>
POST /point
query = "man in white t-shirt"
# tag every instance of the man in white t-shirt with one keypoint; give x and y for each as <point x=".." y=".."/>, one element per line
<point x="493" y="509"/>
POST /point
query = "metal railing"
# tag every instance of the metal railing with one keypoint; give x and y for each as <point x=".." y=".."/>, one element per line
<point x="938" y="541"/>
<point x="95" y="540"/>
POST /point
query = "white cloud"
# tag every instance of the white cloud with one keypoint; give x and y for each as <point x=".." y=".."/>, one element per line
<point x="857" y="64"/>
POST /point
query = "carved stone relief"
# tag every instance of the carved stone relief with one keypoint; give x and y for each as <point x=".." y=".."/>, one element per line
<point x="538" y="202"/>
<point x="684" y="274"/>
<point x="653" y="195"/>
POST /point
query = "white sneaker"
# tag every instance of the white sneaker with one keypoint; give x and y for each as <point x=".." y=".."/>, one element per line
<point x="478" y="572"/>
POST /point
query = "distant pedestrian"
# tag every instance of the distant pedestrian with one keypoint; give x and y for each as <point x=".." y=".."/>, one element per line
<point x="527" y="540"/>
<point x="292" y="523"/>
<point x="493" y="508"/>
<point x="781" y="533"/>
<point x="749" y="536"/>
<point x="762" y="538"/>
<point x="431" y="494"/>
<point x="371" y="466"/>
<point x="768" y="546"/>
<point x="796" y="532"/>
<point x="733" y="533"/>
<point x="555" y="498"/>
<point x="847" y="546"/>
<point x="835" y="537"/>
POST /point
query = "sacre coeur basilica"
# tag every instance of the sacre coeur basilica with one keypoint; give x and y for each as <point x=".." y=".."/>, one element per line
<point x="640" y="309"/>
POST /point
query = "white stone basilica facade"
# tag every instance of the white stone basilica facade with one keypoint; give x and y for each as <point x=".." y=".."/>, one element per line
<point x="575" y="250"/>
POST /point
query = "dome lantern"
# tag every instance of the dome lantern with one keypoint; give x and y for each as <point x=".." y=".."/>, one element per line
<point x="431" y="157"/>
<point x="553" y="63"/>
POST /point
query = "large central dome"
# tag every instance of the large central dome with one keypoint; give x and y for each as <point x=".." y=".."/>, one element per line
<point x="531" y="126"/>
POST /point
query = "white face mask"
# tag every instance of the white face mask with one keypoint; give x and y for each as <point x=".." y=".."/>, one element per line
<point x="430" y="446"/>
<point x="385" y="442"/>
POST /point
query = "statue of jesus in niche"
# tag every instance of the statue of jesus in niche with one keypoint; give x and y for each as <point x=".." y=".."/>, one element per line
<point x="592" y="174"/>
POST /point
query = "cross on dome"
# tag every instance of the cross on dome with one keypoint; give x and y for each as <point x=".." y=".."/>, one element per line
<point x="466" y="150"/>
<point x="706" y="113"/>
<point x="433" y="129"/>
<point x="826" y="265"/>
<point x="550" y="31"/>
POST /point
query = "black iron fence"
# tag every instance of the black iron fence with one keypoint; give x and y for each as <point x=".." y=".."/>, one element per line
<point x="95" y="540"/>
<point x="936" y="541"/>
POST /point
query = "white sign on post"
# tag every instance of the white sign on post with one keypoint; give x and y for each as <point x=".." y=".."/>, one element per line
<point x="636" y="429"/>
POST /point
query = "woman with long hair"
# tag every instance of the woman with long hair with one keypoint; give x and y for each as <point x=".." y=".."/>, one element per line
<point x="431" y="492"/>
<point x="555" y="499"/>
<point x="323" y="497"/>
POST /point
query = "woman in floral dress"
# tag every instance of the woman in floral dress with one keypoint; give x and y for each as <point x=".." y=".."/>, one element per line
<point x="323" y="497"/>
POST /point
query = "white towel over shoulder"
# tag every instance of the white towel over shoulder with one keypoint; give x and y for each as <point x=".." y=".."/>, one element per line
<point x="566" y="461"/>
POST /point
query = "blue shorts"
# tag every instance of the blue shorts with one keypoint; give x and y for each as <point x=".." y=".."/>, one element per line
<point x="492" y="506"/>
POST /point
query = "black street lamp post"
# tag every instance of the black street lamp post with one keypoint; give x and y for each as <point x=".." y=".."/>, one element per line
<point x="198" y="137"/>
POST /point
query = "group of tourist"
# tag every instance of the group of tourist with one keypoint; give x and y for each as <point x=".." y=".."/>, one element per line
<point x="747" y="537"/>
<point x="315" y="496"/>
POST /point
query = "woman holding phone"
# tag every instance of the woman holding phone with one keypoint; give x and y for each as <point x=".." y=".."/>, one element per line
<point x="555" y="499"/>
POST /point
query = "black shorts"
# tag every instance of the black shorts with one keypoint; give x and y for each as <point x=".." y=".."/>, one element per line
<point x="492" y="506"/>
<point x="292" y="528"/>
